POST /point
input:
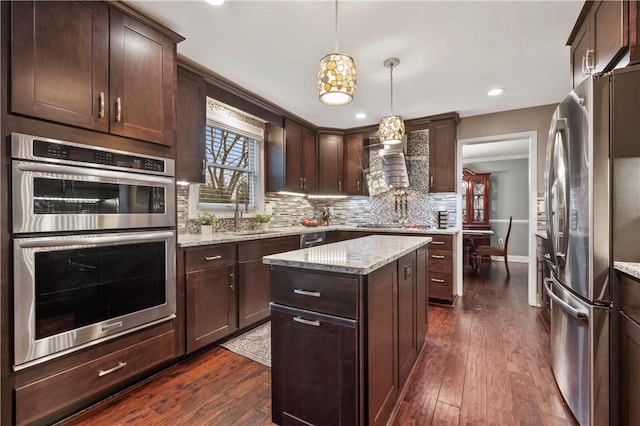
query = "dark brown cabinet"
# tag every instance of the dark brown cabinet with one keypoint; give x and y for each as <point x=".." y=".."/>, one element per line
<point x="354" y="162"/>
<point x="60" y="62"/>
<point x="407" y="316"/>
<point x="191" y="123"/>
<point x="442" y="156"/>
<point x="253" y="277"/>
<point x="211" y="296"/>
<point x="291" y="158"/>
<point x="440" y="269"/>
<point x="92" y="66"/>
<point x="599" y="39"/>
<point x="330" y="164"/>
<point x="475" y="199"/>
<point x="628" y="349"/>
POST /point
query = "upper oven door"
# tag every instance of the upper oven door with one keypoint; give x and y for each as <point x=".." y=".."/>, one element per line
<point x="54" y="198"/>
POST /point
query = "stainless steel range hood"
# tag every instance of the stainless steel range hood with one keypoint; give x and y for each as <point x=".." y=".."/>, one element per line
<point x="394" y="166"/>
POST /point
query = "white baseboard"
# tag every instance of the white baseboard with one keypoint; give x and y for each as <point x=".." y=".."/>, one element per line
<point x="516" y="259"/>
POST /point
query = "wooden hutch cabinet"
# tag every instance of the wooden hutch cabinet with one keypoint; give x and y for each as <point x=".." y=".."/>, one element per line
<point x="475" y="199"/>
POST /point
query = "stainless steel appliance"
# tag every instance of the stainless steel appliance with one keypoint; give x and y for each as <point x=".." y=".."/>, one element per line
<point x="93" y="245"/>
<point x="584" y="130"/>
<point x="312" y="239"/>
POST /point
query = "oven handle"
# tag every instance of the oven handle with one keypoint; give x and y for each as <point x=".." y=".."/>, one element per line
<point x="94" y="239"/>
<point x="581" y="314"/>
<point x="60" y="169"/>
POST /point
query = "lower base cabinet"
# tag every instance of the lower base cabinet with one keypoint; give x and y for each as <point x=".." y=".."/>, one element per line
<point x="441" y="269"/>
<point x="629" y="370"/>
<point x="343" y="345"/>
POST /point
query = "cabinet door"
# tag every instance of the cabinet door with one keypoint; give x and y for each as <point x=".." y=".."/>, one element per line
<point x="382" y="345"/>
<point x="407" y="316"/>
<point x="629" y="370"/>
<point x="60" y="62"/>
<point x="142" y="81"/>
<point x="634" y="32"/>
<point x="211" y="306"/>
<point x="255" y="292"/>
<point x="610" y="32"/>
<point x="354" y="183"/>
<point x="442" y="156"/>
<point x="293" y="156"/>
<point x="191" y="122"/>
<point x="422" y="295"/>
<point x="309" y="171"/>
<point x="314" y="372"/>
<point x="330" y="164"/>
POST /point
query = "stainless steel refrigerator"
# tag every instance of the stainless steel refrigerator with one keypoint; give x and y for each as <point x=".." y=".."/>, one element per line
<point x="585" y="129"/>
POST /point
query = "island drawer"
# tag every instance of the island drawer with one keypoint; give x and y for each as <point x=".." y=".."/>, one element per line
<point x="440" y="242"/>
<point x="51" y="394"/>
<point x="440" y="260"/>
<point x="256" y="249"/>
<point x="209" y="257"/>
<point x="327" y="293"/>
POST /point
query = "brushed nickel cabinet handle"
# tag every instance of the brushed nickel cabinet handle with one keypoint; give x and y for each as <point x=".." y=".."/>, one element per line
<point x="204" y="166"/>
<point x="120" y="366"/>
<point x="339" y="185"/>
<point x="101" y="105"/>
<point x="436" y="280"/>
<point x="358" y="188"/>
<point x="307" y="322"/>
<point x="118" y="109"/>
<point x="304" y="180"/>
<point x="232" y="285"/>
<point x="209" y="258"/>
<point x="435" y="256"/>
<point x="430" y="181"/>
<point x="437" y="243"/>
<point x="306" y="293"/>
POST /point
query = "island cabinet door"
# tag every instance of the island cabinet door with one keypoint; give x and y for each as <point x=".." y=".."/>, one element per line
<point x="382" y="343"/>
<point x="314" y="371"/>
<point x="407" y="316"/>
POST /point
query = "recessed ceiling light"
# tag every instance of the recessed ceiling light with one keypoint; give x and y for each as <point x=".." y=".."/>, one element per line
<point x="361" y="115"/>
<point x="495" y="92"/>
<point x="215" y="2"/>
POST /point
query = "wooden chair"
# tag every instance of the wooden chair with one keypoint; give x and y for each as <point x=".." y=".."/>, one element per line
<point x="481" y="251"/>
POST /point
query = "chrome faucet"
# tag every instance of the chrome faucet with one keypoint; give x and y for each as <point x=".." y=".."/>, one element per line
<point x="237" y="214"/>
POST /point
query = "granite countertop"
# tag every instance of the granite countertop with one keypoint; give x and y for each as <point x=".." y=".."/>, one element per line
<point x="359" y="256"/>
<point x="194" y="240"/>
<point x="630" y="268"/>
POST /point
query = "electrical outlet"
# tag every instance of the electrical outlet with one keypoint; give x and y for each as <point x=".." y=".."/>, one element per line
<point x="500" y="241"/>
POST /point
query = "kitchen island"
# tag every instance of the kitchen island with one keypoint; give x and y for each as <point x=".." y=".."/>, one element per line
<point x="348" y="323"/>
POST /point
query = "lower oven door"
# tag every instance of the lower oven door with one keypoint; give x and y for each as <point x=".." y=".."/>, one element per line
<point x="76" y="290"/>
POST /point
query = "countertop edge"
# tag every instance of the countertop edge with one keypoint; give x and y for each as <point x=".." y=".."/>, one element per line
<point x="196" y="240"/>
<point x="345" y="269"/>
<point x="629" y="268"/>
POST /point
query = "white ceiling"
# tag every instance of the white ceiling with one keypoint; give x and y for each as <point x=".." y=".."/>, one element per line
<point x="492" y="151"/>
<point x="451" y="52"/>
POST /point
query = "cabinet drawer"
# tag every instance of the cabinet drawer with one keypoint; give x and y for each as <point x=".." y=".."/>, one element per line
<point x="630" y="292"/>
<point x="325" y="293"/>
<point x="249" y="250"/>
<point x="209" y="257"/>
<point x="39" y="399"/>
<point x="440" y="286"/>
<point x="440" y="261"/>
<point x="440" y="242"/>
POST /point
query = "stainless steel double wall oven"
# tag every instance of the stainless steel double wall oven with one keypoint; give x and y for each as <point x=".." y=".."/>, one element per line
<point x="93" y="233"/>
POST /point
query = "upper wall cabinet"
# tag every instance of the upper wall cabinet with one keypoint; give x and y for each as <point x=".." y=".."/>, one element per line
<point x="599" y="39"/>
<point x="354" y="161"/>
<point x="292" y="158"/>
<point x="330" y="165"/>
<point x="442" y="155"/>
<point x="89" y="65"/>
<point x="191" y="123"/>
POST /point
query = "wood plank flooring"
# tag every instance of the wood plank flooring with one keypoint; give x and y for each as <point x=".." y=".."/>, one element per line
<point x="486" y="363"/>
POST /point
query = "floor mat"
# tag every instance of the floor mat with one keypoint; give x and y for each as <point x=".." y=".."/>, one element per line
<point x="255" y="344"/>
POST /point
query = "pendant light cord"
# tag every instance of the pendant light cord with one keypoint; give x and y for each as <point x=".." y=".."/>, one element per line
<point x="336" y="51"/>
<point x="391" y="85"/>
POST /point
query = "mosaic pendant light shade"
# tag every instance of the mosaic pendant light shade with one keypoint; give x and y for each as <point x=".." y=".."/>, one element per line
<point x="391" y="128"/>
<point x="336" y="79"/>
<point x="336" y="76"/>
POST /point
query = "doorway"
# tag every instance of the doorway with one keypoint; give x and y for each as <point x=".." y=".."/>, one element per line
<point x="507" y="145"/>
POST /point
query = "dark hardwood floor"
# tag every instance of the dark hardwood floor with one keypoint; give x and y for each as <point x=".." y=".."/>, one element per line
<point x="486" y="363"/>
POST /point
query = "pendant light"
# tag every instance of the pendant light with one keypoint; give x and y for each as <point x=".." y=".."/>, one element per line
<point x="391" y="127"/>
<point x="336" y="76"/>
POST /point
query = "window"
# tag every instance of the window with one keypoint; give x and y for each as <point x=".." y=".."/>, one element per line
<point x="232" y="168"/>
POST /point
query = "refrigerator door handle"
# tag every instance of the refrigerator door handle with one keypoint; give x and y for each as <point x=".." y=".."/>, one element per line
<point x="578" y="313"/>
